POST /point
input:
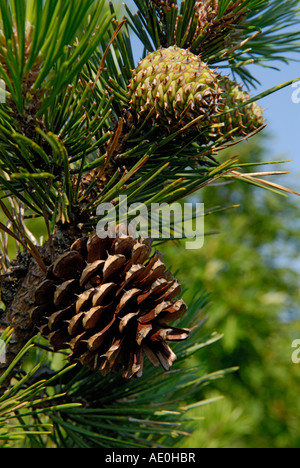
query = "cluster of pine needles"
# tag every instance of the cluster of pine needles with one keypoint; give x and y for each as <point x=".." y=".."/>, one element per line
<point x="69" y="141"/>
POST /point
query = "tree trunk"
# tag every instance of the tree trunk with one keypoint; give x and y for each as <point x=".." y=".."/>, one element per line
<point x="18" y="288"/>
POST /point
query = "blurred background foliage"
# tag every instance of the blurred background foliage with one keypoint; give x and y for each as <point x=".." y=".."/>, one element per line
<point x="251" y="269"/>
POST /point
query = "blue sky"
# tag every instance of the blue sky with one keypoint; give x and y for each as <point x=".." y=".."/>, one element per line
<point x="283" y="120"/>
<point x="282" y="114"/>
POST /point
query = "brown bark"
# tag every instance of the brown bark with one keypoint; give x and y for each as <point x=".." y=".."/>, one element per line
<point x="18" y="291"/>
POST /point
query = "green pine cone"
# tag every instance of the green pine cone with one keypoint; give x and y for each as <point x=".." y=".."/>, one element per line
<point x="240" y="122"/>
<point x="172" y="87"/>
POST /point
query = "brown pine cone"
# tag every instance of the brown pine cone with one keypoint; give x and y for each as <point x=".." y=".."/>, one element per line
<point x="110" y="302"/>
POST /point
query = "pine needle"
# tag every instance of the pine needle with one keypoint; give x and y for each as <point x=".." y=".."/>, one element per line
<point x="273" y="185"/>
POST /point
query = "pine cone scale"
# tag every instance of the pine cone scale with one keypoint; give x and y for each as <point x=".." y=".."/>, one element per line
<point x="90" y="271"/>
<point x="74" y="325"/>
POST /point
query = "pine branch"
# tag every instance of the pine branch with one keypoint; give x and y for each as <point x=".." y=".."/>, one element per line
<point x="82" y="125"/>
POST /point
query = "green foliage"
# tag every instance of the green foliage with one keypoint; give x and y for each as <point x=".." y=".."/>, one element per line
<point x="43" y="128"/>
<point x="251" y="268"/>
<point x="52" y="44"/>
<point x="77" y="408"/>
<point x="23" y="406"/>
